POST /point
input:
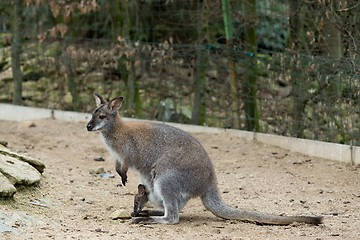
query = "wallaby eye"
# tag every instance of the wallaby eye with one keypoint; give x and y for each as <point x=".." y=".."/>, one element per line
<point x="102" y="116"/>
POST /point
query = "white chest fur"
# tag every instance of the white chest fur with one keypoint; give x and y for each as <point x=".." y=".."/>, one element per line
<point x="155" y="195"/>
<point x="112" y="151"/>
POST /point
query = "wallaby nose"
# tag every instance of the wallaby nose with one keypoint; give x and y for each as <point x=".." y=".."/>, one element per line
<point x="89" y="127"/>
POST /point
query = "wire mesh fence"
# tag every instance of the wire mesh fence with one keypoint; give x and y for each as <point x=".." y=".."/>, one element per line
<point x="172" y="62"/>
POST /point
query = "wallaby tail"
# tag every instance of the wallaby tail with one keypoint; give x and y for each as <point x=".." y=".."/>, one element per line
<point x="213" y="203"/>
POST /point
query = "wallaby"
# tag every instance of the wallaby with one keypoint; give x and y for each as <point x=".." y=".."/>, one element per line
<point x="140" y="200"/>
<point x="172" y="165"/>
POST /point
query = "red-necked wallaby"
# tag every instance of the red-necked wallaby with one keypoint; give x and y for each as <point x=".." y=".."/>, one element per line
<point x="172" y="165"/>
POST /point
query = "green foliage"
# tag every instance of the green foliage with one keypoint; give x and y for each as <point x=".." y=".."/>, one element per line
<point x="273" y="26"/>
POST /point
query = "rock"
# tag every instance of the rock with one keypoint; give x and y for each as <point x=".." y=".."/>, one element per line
<point x="97" y="77"/>
<point x="97" y="170"/>
<point x="26" y="124"/>
<point x="118" y="214"/>
<point x="15" y="222"/>
<point x="169" y="112"/>
<point x="6" y="188"/>
<point x="53" y="49"/>
<point x="107" y="175"/>
<point x="18" y="172"/>
<point x="37" y="203"/>
<point x="4" y="143"/>
<point x="6" y="75"/>
<point x="99" y="230"/>
<point x="17" y="169"/>
<point x="37" y="164"/>
<point x="99" y="159"/>
<point x="68" y="98"/>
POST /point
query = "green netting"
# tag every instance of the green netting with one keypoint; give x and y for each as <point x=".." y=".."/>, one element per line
<point x="171" y="61"/>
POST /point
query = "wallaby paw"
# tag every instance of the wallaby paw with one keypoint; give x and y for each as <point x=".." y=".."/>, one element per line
<point x="124" y="180"/>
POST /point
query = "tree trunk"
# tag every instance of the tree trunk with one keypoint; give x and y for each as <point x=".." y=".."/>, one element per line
<point x="199" y="105"/>
<point x="124" y="19"/>
<point x="250" y="88"/>
<point x="133" y="100"/>
<point x="71" y="82"/>
<point x="231" y="63"/>
<point x="130" y="88"/>
<point x="15" y="53"/>
<point x="297" y="77"/>
<point x="126" y="64"/>
<point x="132" y="92"/>
<point x="332" y="48"/>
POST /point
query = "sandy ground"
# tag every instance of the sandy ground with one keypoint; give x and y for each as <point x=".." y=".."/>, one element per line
<point x="77" y="205"/>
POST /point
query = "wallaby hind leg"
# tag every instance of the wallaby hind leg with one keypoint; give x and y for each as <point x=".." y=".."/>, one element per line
<point x="171" y="215"/>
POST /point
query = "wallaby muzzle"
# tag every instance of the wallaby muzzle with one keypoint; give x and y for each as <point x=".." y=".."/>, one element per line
<point x="90" y="126"/>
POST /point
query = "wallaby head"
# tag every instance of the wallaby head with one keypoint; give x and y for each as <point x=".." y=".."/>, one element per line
<point x="105" y="114"/>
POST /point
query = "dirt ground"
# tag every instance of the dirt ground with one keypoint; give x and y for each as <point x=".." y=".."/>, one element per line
<point x="77" y="205"/>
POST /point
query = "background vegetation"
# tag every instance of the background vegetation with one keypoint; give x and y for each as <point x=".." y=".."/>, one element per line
<point x="274" y="66"/>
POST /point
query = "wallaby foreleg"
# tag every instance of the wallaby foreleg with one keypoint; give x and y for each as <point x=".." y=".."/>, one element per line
<point x="122" y="169"/>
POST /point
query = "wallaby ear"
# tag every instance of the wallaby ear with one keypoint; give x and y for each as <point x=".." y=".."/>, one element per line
<point x="116" y="103"/>
<point x="99" y="99"/>
<point x="141" y="190"/>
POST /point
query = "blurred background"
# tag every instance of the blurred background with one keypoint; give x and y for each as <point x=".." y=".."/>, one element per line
<point x="285" y="67"/>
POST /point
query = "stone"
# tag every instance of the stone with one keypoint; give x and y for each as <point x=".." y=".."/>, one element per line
<point x="18" y="172"/>
<point x="99" y="159"/>
<point x="15" y="222"/>
<point x="118" y="214"/>
<point x="37" y="164"/>
<point x="37" y="203"/>
<point x="97" y="170"/>
<point x="4" y="143"/>
<point x="107" y="175"/>
<point x="6" y="188"/>
<point x="26" y="124"/>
